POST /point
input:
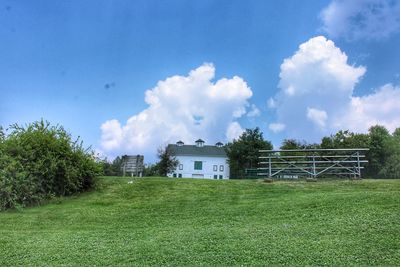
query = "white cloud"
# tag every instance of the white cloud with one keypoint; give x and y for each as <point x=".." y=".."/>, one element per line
<point x="316" y="94"/>
<point x="381" y="107"/>
<point x="317" y="76"/>
<point x="234" y="131"/>
<point x="318" y="67"/>
<point x="276" y="127"/>
<point x="361" y="19"/>
<point x="112" y="134"/>
<point x="181" y="108"/>
<point x="317" y="116"/>
<point x="271" y="103"/>
<point x="254" y="111"/>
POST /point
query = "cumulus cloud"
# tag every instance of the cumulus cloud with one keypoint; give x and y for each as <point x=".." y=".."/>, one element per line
<point x="316" y="78"/>
<point x="112" y="134"/>
<point x="317" y="116"/>
<point x="254" y="111"/>
<point x="381" y="107"/>
<point x="316" y="94"/>
<point x="181" y="108"/>
<point x="361" y="19"/>
<point x="271" y="103"/>
<point x="234" y="131"/>
<point x="276" y="127"/>
<point x="317" y="68"/>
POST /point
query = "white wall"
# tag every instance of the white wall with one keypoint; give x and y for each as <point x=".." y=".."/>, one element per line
<point x="207" y="171"/>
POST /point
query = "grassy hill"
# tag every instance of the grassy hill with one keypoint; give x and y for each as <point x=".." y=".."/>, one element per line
<point x="159" y="221"/>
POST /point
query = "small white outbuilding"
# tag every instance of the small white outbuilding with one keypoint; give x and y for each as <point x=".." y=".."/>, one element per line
<point x="199" y="160"/>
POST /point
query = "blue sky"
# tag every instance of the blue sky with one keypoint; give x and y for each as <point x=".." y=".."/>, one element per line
<point x="88" y="64"/>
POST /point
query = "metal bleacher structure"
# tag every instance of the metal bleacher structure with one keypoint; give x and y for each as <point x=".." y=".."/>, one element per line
<point x="132" y="165"/>
<point x="312" y="163"/>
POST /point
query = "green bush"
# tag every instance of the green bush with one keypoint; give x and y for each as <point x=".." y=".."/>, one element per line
<point x="40" y="161"/>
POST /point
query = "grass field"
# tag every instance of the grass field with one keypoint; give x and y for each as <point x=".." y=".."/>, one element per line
<point x="159" y="221"/>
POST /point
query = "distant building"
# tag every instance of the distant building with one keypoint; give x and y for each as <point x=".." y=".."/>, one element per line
<point x="200" y="161"/>
<point x="132" y="165"/>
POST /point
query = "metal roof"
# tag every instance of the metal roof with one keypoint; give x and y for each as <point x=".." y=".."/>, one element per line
<point x="192" y="150"/>
<point x="315" y="150"/>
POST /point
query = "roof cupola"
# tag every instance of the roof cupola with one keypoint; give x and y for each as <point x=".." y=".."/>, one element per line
<point x="199" y="143"/>
<point x="180" y="143"/>
<point x="219" y="144"/>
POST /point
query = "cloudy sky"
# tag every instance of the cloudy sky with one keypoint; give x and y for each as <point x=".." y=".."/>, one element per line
<point x="130" y="76"/>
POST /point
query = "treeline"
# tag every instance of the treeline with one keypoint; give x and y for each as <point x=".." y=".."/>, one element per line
<point x="243" y="154"/>
<point x="112" y="168"/>
<point x="383" y="155"/>
<point x="40" y="161"/>
<point x="384" y="149"/>
<point x="166" y="163"/>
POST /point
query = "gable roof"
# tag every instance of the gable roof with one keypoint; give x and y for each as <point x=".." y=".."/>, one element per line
<point x="192" y="150"/>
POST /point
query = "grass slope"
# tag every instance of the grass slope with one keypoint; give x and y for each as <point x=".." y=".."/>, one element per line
<point x="158" y="221"/>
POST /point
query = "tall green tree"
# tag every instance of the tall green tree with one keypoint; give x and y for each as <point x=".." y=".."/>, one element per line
<point x="2" y="135"/>
<point x="391" y="167"/>
<point x="116" y="166"/>
<point x="167" y="162"/>
<point x="112" y="168"/>
<point x="379" y="150"/>
<point x="345" y="139"/>
<point x="297" y="144"/>
<point x="150" y="170"/>
<point x="243" y="153"/>
<point x="289" y="144"/>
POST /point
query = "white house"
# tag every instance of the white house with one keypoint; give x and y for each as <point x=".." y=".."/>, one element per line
<point x="200" y="161"/>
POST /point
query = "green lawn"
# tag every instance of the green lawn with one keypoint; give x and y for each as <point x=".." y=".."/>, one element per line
<point x="159" y="221"/>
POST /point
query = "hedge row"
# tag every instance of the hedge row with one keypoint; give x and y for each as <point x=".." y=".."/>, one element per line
<point x="40" y="161"/>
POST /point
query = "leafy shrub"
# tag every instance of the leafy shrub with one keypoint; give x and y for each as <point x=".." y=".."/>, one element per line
<point x="40" y="161"/>
<point x="111" y="168"/>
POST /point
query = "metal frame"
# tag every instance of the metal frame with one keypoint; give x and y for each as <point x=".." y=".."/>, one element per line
<point x="295" y="163"/>
<point x="132" y="165"/>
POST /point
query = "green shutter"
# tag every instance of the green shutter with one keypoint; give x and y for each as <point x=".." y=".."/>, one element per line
<point x="198" y="165"/>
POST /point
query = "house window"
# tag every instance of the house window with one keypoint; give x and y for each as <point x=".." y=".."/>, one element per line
<point x="174" y="175"/>
<point x="220" y="177"/>
<point x="215" y="176"/>
<point x="180" y="175"/>
<point x="221" y="168"/>
<point x="181" y="166"/>
<point x="198" y="165"/>
<point x="215" y="168"/>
